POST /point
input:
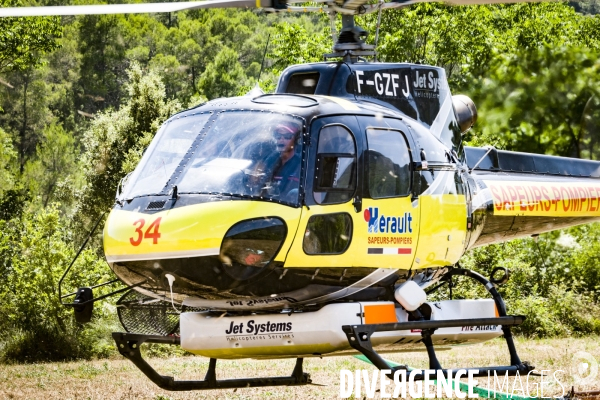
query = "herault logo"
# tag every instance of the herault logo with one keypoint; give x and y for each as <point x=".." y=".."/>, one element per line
<point x="387" y="224"/>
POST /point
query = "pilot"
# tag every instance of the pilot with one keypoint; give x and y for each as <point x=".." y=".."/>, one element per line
<point x="286" y="162"/>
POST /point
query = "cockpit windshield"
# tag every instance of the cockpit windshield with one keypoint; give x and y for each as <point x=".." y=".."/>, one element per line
<point x="239" y="153"/>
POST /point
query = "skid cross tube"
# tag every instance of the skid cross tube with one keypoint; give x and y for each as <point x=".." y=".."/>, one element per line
<point x="129" y="346"/>
<point x="500" y="306"/>
<point x="359" y="336"/>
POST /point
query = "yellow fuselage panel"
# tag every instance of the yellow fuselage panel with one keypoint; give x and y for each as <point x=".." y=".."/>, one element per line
<point x="384" y="235"/>
<point x="194" y="230"/>
<point x="443" y="228"/>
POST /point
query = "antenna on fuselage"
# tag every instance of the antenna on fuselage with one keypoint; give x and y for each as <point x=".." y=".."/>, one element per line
<point x="262" y="64"/>
<point x="256" y="90"/>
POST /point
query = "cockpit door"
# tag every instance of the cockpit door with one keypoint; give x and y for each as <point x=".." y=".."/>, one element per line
<point x="331" y="213"/>
<point x="389" y="228"/>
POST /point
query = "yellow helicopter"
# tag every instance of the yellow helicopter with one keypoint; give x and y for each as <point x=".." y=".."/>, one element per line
<point x="316" y="220"/>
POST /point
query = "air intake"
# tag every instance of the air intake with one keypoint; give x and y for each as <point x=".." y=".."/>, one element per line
<point x="156" y="205"/>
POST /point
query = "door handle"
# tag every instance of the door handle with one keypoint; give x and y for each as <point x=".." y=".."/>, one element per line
<point x="357" y="203"/>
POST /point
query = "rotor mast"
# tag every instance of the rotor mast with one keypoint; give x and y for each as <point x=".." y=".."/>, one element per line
<point x="350" y="44"/>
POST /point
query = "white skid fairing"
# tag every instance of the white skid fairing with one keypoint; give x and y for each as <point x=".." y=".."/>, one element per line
<point x="306" y="334"/>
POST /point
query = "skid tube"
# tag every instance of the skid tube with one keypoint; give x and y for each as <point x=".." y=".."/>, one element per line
<point x="359" y="336"/>
<point x="129" y="347"/>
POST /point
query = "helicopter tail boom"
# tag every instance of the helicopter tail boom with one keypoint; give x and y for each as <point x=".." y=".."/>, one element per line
<point x="519" y="194"/>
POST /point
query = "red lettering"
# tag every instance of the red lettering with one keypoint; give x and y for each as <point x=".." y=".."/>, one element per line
<point x="574" y="198"/>
<point x="138" y="230"/>
<point x="531" y="201"/>
<point x="565" y="205"/>
<point x="522" y="204"/>
<point x="154" y="235"/>
<point x="556" y="198"/>
<point x="583" y="197"/>
<point x="506" y="198"/>
<point x="547" y="197"/>
<point x="513" y="196"/>
<point x="592" y="198"/>
<point x="588" y="191"/>
<point x="497" y="198"/>
<point x="537" y="195"/>
<point x="151" y="233"/>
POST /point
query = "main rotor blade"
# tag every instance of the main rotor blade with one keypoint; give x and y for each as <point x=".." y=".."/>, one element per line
<point x="129" y="8"/>
<point x="139" y="8"/>
<point x="474" y="2"/>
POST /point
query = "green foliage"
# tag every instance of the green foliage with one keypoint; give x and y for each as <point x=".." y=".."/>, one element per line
<point x="536" y="100"/>
<point x="466" y="40"/>
<point x="223" y="77"/>
<point x="456" y="38"/>
<point x="26" y="110"/>
<point x="13" y="202"/>
<point x="24" y="40"/>
<point x="586" y="6"/>
<point x="295" y="44"/>
<point x="40" y="96"/>
<point x="34" y="253"/>
<point x="103" y="63"/>
<point x="55" y="164"/>
<point x="554" y="281"/>
<point x="7" y="154"/>
<point x="116" y="140"/>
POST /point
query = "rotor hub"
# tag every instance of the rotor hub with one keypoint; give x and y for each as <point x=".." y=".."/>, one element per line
<point x="350" y="43"/>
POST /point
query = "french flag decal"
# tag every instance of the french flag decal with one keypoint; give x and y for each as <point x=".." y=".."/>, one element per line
<point x="389" y="250"/>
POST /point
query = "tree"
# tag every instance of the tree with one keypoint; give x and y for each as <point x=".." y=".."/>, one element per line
<point x="224" y="76"/>
<point x="459" y="39"/>
<point x="7" y="154"/>
<point x="173" y="75"/>
<point x="535" y="101"/>
<point x="24" y="40"/>
<point x="39" y="95"/>
<point x="116" y="140"/>
<point x="34" y="251"/>
<point x="54" y="165"/>
<point x="103" y="62"/>
<point x="26" y="110"/>
<point x="294" y="44"/>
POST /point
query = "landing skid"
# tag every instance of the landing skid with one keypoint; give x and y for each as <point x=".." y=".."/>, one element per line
<point x="359" y="338"/>
<point x="129" y="346"/>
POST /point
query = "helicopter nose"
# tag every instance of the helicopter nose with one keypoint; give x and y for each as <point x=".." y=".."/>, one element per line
<point x="208" y="247"/>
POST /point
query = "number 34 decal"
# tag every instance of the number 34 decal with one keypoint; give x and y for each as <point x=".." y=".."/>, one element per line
<point x="151" y="232"/>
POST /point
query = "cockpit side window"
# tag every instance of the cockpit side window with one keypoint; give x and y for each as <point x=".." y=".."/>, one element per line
<point x="335" y="177"/>
<point x="388" y="164"/>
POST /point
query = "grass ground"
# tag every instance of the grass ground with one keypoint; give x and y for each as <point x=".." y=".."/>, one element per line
<point x="119" y="379"/>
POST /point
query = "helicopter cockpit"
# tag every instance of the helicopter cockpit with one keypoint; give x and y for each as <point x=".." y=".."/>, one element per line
<point x="247" y="154"/>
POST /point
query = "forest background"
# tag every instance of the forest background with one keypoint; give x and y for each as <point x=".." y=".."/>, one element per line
<point x="81" y="98"/>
